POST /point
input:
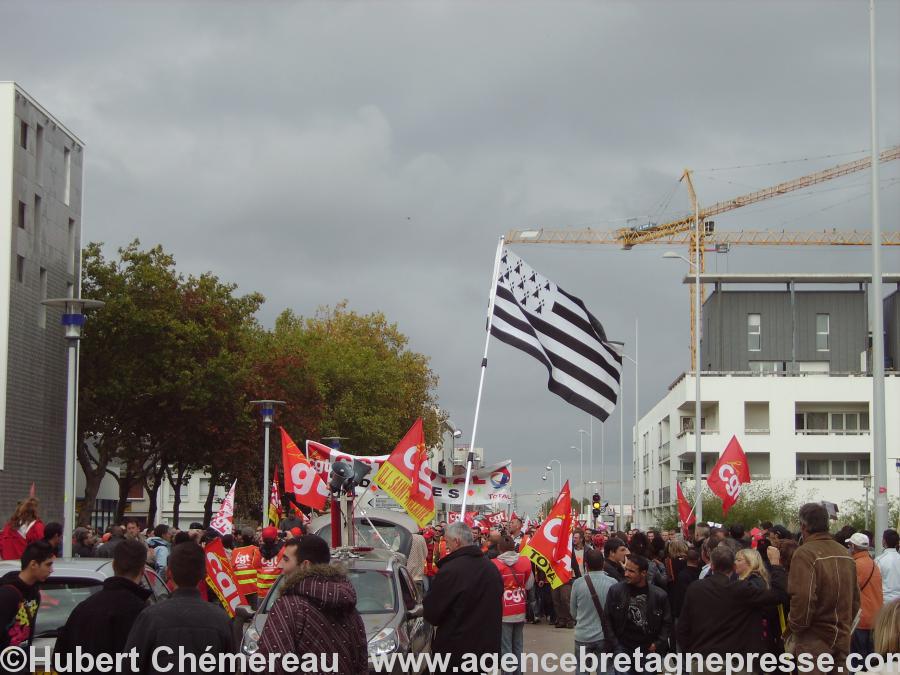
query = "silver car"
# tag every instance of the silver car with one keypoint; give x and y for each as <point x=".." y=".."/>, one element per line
<point x="72" y="581"/>
<point x="387" y="599"/>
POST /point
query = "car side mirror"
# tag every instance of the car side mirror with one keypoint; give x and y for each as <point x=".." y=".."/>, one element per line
<point x="243" y="613"/>
<point x="415" y="613"/>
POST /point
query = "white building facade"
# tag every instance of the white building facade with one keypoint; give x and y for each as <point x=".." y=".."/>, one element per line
<point x="785" y="372"/>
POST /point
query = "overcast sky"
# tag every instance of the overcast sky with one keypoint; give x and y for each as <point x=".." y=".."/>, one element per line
<point x="374" y="151"/>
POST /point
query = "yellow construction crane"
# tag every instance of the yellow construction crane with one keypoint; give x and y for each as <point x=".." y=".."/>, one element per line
<point x="696" y="231"/>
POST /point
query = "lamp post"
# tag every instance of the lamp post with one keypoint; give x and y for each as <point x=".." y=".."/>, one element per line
<point x="267" y="410"/>
<point x="558" y="475"/>
<point x="581" y="433"/>
<point x="580" y="451"/>
<point x="619" y="347"/>
<point x="698" y="455"/>
<point x="73" y="320"/>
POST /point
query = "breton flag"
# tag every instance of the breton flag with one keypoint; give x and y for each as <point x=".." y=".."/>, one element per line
<point x="537" y="316"/>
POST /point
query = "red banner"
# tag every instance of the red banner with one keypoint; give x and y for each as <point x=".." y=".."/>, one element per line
<point x="551" y="546"/>
<point x="496" y="518"/>
<point x="728" y="475"/>
<point x="300" y="477"/>
<point x="220" y="577"/>
<point x="685" y="512"/>
<point x="469" y="520"/>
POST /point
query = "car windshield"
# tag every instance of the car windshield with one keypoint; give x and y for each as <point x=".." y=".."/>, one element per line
<point x="58" y="598"/>
<point x="393" y="537"/>
<point x="374" y="592"/>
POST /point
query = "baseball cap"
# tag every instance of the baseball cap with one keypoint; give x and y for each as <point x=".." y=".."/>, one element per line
<point x="270" y="532"/>
<point x="296" y="531"/>
<point x="859" y="540"/>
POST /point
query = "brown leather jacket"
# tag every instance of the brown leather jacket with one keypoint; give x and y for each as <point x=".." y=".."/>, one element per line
<point x="824" y="596"/>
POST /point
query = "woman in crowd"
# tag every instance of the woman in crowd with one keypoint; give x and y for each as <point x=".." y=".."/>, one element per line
<point x="22" y="529"/>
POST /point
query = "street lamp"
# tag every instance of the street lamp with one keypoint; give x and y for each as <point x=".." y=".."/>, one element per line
<point x="558" y="475"/>
<point x="73" y="320"/>
<point x="581" y="433"/>
<point x="267" y="410"/>
<point x="698" y="455"/>
<point x="580" y="452"/>
<point x="619" y="347"/>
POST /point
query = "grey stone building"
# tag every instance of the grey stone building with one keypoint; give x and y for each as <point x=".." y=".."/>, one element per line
<point x="40" y="221"/>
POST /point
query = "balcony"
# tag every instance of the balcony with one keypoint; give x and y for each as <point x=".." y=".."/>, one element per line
<point x="703" y="432"/>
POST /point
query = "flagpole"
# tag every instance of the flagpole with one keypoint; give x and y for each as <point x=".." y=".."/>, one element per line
<point x="487" y="341"/>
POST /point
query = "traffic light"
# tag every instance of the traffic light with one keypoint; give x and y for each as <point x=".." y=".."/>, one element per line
<point x="596" y="505"/>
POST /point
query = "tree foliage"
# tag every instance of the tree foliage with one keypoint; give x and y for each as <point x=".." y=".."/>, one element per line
<point x="170" y="364"/>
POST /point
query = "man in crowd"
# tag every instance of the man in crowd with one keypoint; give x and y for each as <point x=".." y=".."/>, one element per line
<point x="465" y="599"/>
<point x="683" y="579"/>
<point x="823" y="589"/>
<point x="246" y="562"/>
<point x="639" y="614"/>
<point x="53" y="536"/>
<point x="415" y="562"/>
<point x="20" y="594"/>
<point x="160" y="543"/>
<point x="868" y="576"/>
<point x="270" y="559"/>
<point x="518" y="580"/>
<point x="616" y="552"/>
<point x="720" y="614"/>
<point x="889" y="564"/>
<point x="101" y="624"/>
<point x="116" y="537"/>
<point x="184" y="621"/>
<point x="133" y="530"/>
<point x="515" y="531"/>
<point x="84" y="543"/>
<point x="316" y="611"/>
<point x="592" y="629"/>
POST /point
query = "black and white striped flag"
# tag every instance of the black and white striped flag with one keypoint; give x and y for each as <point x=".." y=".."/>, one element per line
<point x="537" y="316"/>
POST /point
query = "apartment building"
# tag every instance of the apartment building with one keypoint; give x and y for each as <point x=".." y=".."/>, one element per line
<point x="786" y="371"/>
<point x="40" y="221"/>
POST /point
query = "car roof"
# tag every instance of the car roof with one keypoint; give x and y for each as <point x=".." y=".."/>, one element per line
<point x="85" y="568"/>
<point x="374" y="559"/>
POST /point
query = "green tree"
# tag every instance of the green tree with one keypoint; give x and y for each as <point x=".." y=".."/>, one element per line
<point x="373" y="387"/>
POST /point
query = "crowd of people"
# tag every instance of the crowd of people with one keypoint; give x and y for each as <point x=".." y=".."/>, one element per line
<point x="718" y="590"/>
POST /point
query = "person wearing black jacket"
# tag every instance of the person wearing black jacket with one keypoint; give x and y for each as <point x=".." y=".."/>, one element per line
<point x="615" y="552"/>
<point x="20" y="595"/>
<point x="184" y="621"/>
<point x="100" y="624"/>
<point x="721" y="615"/>
<point x="465" y="600"/>
<point x="639" y="613"/>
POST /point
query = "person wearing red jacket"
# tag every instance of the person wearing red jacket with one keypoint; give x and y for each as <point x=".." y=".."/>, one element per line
<point x="517" y="581"/>
<point x="25" y="527"/>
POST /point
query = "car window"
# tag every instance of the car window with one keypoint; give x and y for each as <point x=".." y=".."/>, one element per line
<point x="272" y="595"/>
<point x="408" y="589"/>
<point x="152" y="582"/>
<point x="375" y="593"/>
<point x="58" y="598"/>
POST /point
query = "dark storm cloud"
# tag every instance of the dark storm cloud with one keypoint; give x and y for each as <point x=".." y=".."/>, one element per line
<point x="375" y="151"/>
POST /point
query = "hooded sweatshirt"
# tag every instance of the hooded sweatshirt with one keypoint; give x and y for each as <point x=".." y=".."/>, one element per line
<point x="517" y="581"/>
<point x="18" y="608"/>
<point x="316" y="613"/>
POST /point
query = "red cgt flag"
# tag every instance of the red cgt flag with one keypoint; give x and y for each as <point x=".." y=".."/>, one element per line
<point x="300" y="477"/>
<point x="405" y="476"/>
<point x="551" y="546"/>
<point x="729" y="474"/>
<point x="685" y="512"/>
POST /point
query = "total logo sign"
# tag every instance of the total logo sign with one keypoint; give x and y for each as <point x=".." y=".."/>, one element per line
<point x="500" y="478"/>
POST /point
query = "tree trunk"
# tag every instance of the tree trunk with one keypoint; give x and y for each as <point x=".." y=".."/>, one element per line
<point x="94" y="469"/>
<point x="176" y="507"/>
<point x="207" y="506"/>
<point x="152" y="486"/>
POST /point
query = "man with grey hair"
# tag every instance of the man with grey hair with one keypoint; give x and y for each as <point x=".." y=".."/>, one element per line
<point x="465" y="601"/>
<point x="823" y="589"/>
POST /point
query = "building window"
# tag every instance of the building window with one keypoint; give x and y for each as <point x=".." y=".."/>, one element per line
<point x="37" y="220"/>
<point x="42" y="308"/>
<point x="766" y="367"/>
<point x="754" y="336"/>
<point x="67" y="161"/>
<point x="38" y="153"/>
<point x="136" y="492"/>
<point x="70" y="251"/>
<point x="23" y="134"/>
<point x="821" y="467"/>
<point x="823" y="324"/>
<point x="839" y="423"/>
<point x="20" y="269"/>
<point x="21" y="219"/>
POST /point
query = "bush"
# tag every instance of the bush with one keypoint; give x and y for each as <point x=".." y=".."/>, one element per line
<point x="775" y="502"/>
